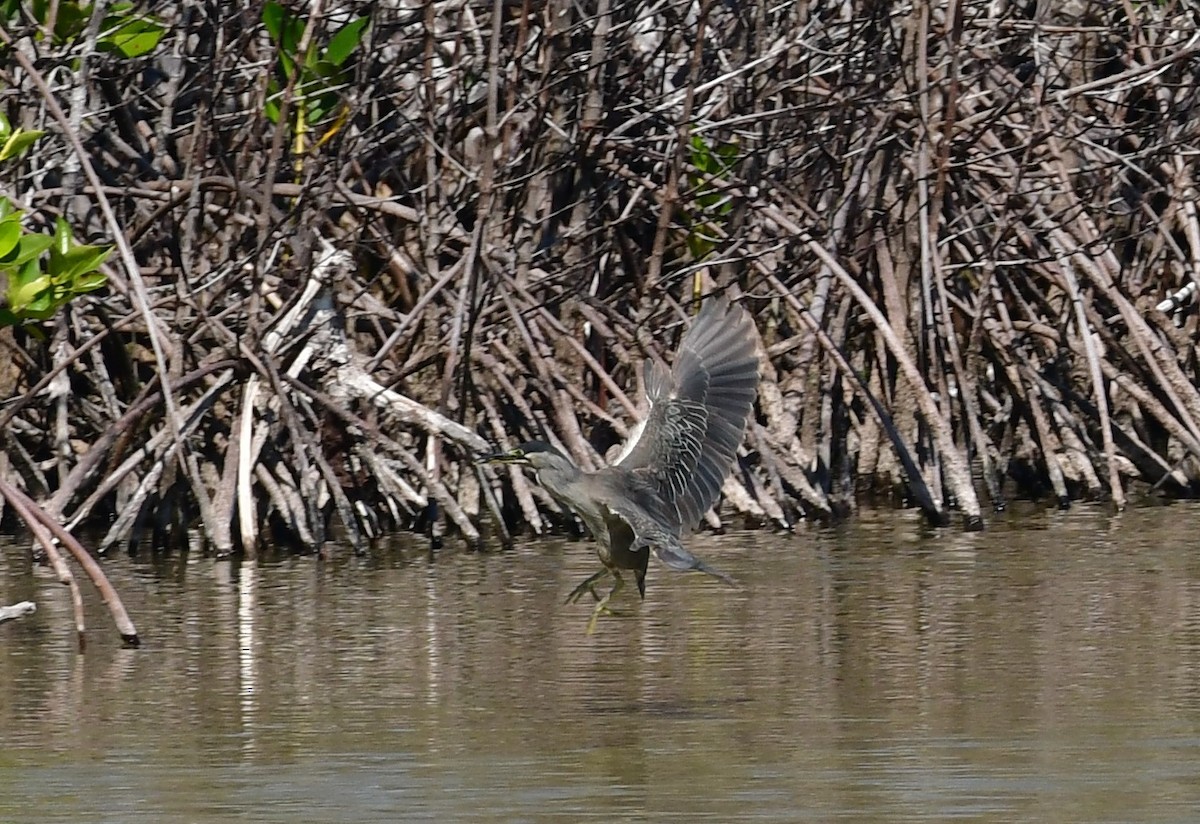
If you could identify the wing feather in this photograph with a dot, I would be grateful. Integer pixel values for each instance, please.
(698, 412)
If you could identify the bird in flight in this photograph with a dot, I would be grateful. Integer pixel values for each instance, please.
(671, 470)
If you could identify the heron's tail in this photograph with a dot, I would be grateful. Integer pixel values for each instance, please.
(676, 557)
(729, 580)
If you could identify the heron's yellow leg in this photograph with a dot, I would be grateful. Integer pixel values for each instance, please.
(602, 607)
(587, 586)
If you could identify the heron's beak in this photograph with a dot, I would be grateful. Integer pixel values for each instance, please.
(514, 456)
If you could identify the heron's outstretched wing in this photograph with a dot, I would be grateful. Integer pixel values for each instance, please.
(698, 412)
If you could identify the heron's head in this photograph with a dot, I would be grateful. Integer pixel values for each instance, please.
(537, 455)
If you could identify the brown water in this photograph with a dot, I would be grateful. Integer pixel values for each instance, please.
(1047, 670)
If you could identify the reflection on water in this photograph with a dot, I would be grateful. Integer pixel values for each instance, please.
(1045, 670)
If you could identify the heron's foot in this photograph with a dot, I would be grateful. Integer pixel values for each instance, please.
(588, 586)
(602, 607)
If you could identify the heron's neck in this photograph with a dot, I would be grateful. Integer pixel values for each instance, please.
(553, 479)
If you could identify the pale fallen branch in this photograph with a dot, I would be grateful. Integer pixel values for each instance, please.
(18, 610)
(346, 379)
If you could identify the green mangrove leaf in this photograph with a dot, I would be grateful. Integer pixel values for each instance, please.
(133, 36)
(28, 249)
(10, 235)
(345, 40)
(18, 142)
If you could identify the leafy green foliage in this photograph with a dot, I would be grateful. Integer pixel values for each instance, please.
(318, 74)
(39, 284)
(124, 31)
(129, 34)
(43, 272)
(709, 207)
(14, 142)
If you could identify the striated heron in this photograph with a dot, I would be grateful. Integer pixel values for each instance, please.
(671, 470)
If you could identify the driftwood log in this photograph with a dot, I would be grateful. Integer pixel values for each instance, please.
(17, 610)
